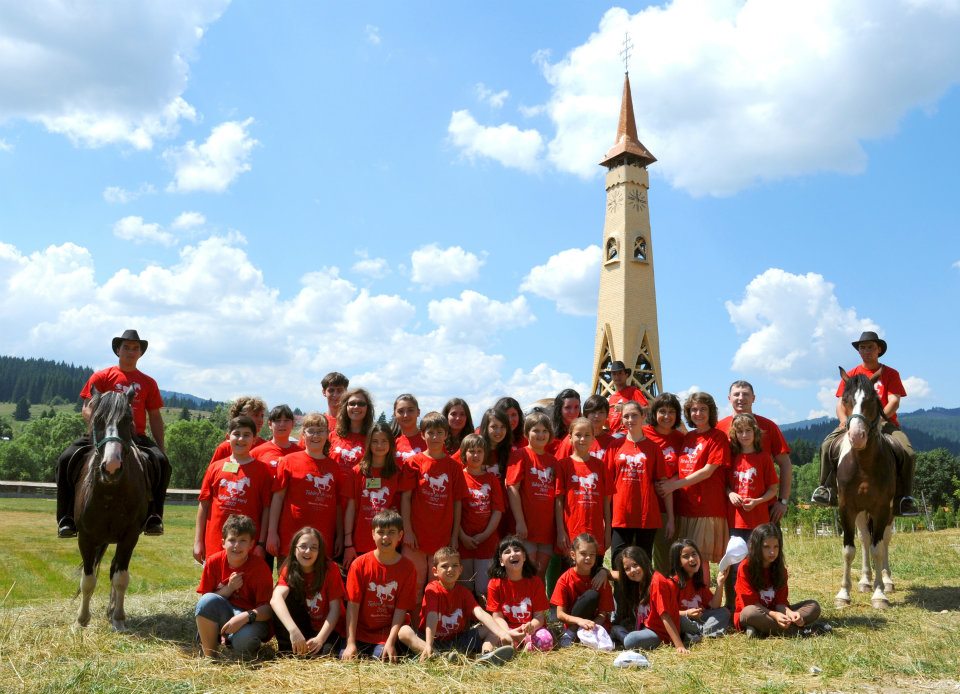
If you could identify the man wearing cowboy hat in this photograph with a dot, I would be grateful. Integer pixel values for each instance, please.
(624, 393)
(146, 407)
(890, 389)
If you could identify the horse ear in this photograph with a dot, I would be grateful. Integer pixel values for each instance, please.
(131, 393)
(843, 374)
(876, 376)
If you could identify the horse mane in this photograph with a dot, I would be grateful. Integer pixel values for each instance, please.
(110, 407)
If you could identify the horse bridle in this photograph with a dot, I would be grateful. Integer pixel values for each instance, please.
(870, 425)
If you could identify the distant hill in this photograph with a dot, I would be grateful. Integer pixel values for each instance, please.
(45, 382)
(937, 427)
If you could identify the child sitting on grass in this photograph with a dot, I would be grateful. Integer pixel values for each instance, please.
(235, 589)
(581, 605)
(445, 617)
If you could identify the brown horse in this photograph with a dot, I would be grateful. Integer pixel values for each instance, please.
(110, 502)
(866, 478)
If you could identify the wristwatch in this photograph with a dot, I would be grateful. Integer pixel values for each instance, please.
(251, 616)
(783, 501)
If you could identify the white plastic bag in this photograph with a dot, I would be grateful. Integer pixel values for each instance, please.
(631, 659)
(597, 638)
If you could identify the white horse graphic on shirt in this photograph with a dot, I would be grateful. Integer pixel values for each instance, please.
(588, 483)
(767, 595)
(321, 483)
(693, 603)
(520, 612)
(377, 497)
(448, 622)
(437, 484)
(480, 494)
(384, 592)
(236, 487)
(545, 475)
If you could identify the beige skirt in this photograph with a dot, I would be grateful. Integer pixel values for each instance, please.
(710, 535)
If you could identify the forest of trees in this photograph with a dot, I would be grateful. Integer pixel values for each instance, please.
(40, 380)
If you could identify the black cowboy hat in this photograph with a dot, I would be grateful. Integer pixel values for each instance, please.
(870, 336)
(618, 366)
(128, 335)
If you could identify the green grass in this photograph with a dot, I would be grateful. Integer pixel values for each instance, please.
(911, 647)
(170, 414)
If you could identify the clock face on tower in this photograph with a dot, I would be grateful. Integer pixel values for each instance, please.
(637, 199)
(614, 200)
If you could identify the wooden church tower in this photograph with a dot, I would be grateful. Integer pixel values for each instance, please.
(627, 305)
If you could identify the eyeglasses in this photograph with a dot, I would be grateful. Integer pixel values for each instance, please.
(315, 432)
(308, 548)
(356, 403)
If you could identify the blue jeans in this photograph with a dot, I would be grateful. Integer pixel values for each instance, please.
(712, 623)
(245, 642)
(644, 639)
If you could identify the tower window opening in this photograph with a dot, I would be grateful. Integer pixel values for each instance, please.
(640, 248)
(613, 250)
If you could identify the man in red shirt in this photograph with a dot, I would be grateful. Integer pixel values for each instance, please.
(619, 374)
(890, 389)
(146, 407)
(742, 397)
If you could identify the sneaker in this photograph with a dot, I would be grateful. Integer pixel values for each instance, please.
(750, 632)
(67, 528)
(498, 656)
(153, 526)
(566, 639)
(822, 497)
(908, 507)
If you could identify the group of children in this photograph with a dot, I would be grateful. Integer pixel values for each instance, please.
(486, 512)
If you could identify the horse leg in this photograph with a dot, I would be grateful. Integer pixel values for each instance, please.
(865, 584)
(843, 597)
(120, 579)
(878, 546)
(888, 586)
(90, 555)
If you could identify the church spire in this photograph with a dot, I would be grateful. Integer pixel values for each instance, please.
(627, 149)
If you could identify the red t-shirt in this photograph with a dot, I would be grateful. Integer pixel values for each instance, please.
(572, 585)
(223, 450)
(518, 601)
(706, 499)
(888, 384)
(436, 485)
(691, 598)
(670, 445)
(484, 496)
(632, 469)
(371, 495)
(257, 587)
(348, 450)
(751, 474)
(246, 491)
(270, 453)
(598, 449)
(378, 590)
(318, 604)
(663, 601)
(771, 438)
(768, 596)
(408, 446)
(146, 394)
(625, 394)
(453, 607)
(535, 475)
(314, 487)
(583, 487)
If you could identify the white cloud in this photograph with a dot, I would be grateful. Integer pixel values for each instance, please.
(796, 327)
(118, 195)
(475, 318)
(5, 146)
(101, 72)
(489, 97)
(571, 279)
(956, 265)
(540, 383)
(212, 166)
(917, 388)
(827, 397)
(134, 229)
(374, 268)
(372, 33)
(432, 266)
(189, 220)
(507, 144)
(755, 79)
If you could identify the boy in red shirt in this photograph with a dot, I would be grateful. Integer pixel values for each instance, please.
(235, 485)
(433, 488)
(235, 589)
(281, 421)
(381, 590)
(448, 608)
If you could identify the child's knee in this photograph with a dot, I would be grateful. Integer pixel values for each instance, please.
(248, 640)
(213, 607)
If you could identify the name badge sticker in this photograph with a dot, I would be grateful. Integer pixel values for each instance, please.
(232, 466)
(373, 483)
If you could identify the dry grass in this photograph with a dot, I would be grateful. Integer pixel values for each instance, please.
(913, 646)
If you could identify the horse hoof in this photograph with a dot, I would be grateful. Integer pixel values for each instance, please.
(865, 587)
(842, 602)
(119, 625)
(889, 588)
(880, 604)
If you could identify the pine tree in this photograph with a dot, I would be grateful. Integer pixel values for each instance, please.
(22, 412)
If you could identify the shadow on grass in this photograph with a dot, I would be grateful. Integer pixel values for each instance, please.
(874, 621)
(177, 628)
(934, 598)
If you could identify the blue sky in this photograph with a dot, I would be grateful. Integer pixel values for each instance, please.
(408, 193)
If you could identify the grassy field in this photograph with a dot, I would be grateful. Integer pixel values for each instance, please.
(912, 647)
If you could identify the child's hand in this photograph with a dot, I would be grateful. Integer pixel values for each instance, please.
(669, 529)
(297, 642)
(350, 652)
(528, 627)
(587, 624)
(349, 554)
(735, 499)
(427, 653)
(468, 542)
(198, 552)
(235, 624)
(273, 543)
(780, 618)
(750, 504)
(694, 612)
(722, 577)
(389, 654)
(314, 645)
(600, 580)
(410, 539)
(506, 638)
(235, 582)
(521, 529)
(682, 650)
(794, 617)
(563, 542)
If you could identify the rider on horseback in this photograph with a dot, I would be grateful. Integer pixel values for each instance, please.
(146, 406)
(890, 389)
